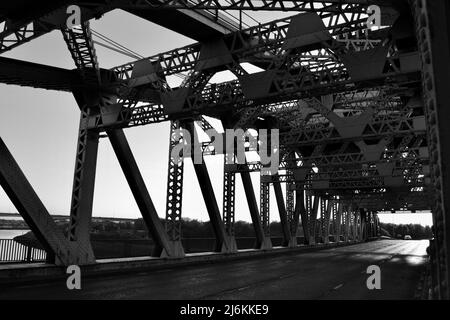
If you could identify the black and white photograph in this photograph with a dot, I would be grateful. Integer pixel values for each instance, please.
(224, 157)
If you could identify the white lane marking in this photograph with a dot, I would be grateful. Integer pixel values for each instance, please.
(243, 288)
(338, 286)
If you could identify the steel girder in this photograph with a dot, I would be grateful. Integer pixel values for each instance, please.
(23, 22)
(352, 6)
(432, 30)
(90, 102)
(35, 75)
(174, 199)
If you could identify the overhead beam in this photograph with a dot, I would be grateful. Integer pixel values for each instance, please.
(39, 76)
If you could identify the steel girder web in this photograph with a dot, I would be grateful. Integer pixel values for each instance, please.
(174, 198)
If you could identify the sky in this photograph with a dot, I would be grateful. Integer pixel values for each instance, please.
(40, 128)
(423, 218)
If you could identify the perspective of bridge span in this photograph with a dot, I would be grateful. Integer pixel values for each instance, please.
(355, 136)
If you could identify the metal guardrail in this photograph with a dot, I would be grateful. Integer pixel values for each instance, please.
(13, 251)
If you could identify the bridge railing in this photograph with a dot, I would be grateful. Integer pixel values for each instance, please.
(13, 251)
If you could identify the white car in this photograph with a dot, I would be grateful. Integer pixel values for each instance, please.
(408, 237)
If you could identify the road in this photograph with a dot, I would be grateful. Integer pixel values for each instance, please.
(338, 273)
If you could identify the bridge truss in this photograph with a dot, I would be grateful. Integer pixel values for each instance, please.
(357, 111)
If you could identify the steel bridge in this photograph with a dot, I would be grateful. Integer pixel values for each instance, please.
(359, 112)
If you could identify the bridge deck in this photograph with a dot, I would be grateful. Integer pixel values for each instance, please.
(338, 273)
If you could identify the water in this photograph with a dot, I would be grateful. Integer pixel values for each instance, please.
(10, 234)
(10, 218)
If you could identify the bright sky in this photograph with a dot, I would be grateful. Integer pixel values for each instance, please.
(423, 218)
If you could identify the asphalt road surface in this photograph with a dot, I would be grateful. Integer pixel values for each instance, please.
(339, 273)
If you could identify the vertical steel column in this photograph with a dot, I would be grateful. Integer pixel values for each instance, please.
(307, 221)
(296, 211)
(377, 226)
(174, 196)
(326, 221)
(347, 222)
(352, 228)
(433, 30)
(229, 197)
(229, 188)
(265, 214)
(338, 221)
(290, 205)
(84, 184)
(357, 224)
(322, 210)
(137, 185)
(229, 202)
(283, 215)
(302, 208)
(312, 219)
(363, 219)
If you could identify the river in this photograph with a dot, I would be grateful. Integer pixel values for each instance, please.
(10, 234)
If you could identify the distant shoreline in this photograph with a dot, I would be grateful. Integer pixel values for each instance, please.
(59, 216)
